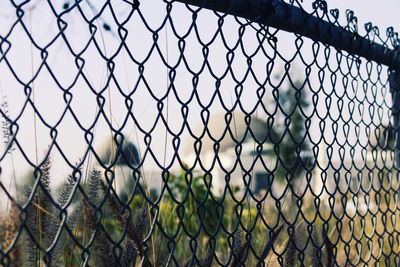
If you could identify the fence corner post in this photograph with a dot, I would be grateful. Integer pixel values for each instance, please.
(394, 83)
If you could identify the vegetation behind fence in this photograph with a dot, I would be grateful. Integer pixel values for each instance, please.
(197, 133)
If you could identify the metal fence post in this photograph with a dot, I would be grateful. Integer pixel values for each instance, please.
(394, 82)
(290, 18)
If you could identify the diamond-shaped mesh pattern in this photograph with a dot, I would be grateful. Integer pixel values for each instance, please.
(162, 133)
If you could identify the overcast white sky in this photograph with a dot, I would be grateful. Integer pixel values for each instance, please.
(382, 13)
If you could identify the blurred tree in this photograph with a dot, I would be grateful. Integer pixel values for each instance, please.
(289, 134)
(286, 132)
(122, 153)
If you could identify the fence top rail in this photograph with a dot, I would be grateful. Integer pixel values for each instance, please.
(281, 15)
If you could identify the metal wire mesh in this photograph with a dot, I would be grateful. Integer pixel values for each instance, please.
(161, 133)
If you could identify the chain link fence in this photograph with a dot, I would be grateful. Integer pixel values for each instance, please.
(197, 133)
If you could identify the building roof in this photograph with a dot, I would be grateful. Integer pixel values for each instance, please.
(227, 130)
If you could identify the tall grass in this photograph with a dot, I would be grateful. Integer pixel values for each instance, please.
(192, 226)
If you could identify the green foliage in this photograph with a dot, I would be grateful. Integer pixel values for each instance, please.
(191, 200)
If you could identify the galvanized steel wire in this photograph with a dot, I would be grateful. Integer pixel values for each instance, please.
(268, 148)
